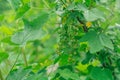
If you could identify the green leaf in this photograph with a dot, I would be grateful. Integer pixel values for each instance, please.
(19, 74)
(23, 36)
(105, 40)
(25, 1)
(77, 6)
(1, 17)
(81, 7)
(40, 20)
(88, 2)
(20, 7)
(93, 14)
(97, 41)
(117, 5)
(103, 1)
(15, 3)
(100, 74)
(37, 77)
(87, 58)
(64, 59)
(95, 44)
(22, 10)
(8, 40)
(3, 56)
(93, 40)
(32, 30)
(67, 74)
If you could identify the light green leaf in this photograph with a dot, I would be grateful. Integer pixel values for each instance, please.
(97, 41)
(81, 7)
(67, 74)
(3, 56)
(105, 40)
(78, 6)
(32, 30)
(19, 74)
(40, 20)
(20, 7)
(22, 10)
(37, 77)
(1, 17)
(100, 74)
(23, 36)
(93, 14)
(103, 1)
(8, 40)
(117, 5)
(95, 44)
(15, 3)
(25, 1)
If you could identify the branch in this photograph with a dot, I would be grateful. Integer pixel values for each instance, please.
(24, 56)
(84, 26)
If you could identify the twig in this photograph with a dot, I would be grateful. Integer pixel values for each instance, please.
(13, 64)
(1, 77)
(84, 26)
(24, 56)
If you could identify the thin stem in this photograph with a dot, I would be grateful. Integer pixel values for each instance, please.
(24, 56)
(84, 26)
(46, 3)
(13, 64)
(1, 77)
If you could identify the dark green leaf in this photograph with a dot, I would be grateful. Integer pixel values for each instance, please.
(64, 59)
(3, 56)
(87, 58)
(100, 74)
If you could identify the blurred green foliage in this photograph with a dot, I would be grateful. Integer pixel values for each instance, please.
(59, 40)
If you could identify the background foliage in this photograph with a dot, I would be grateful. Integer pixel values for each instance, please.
(59, 40)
